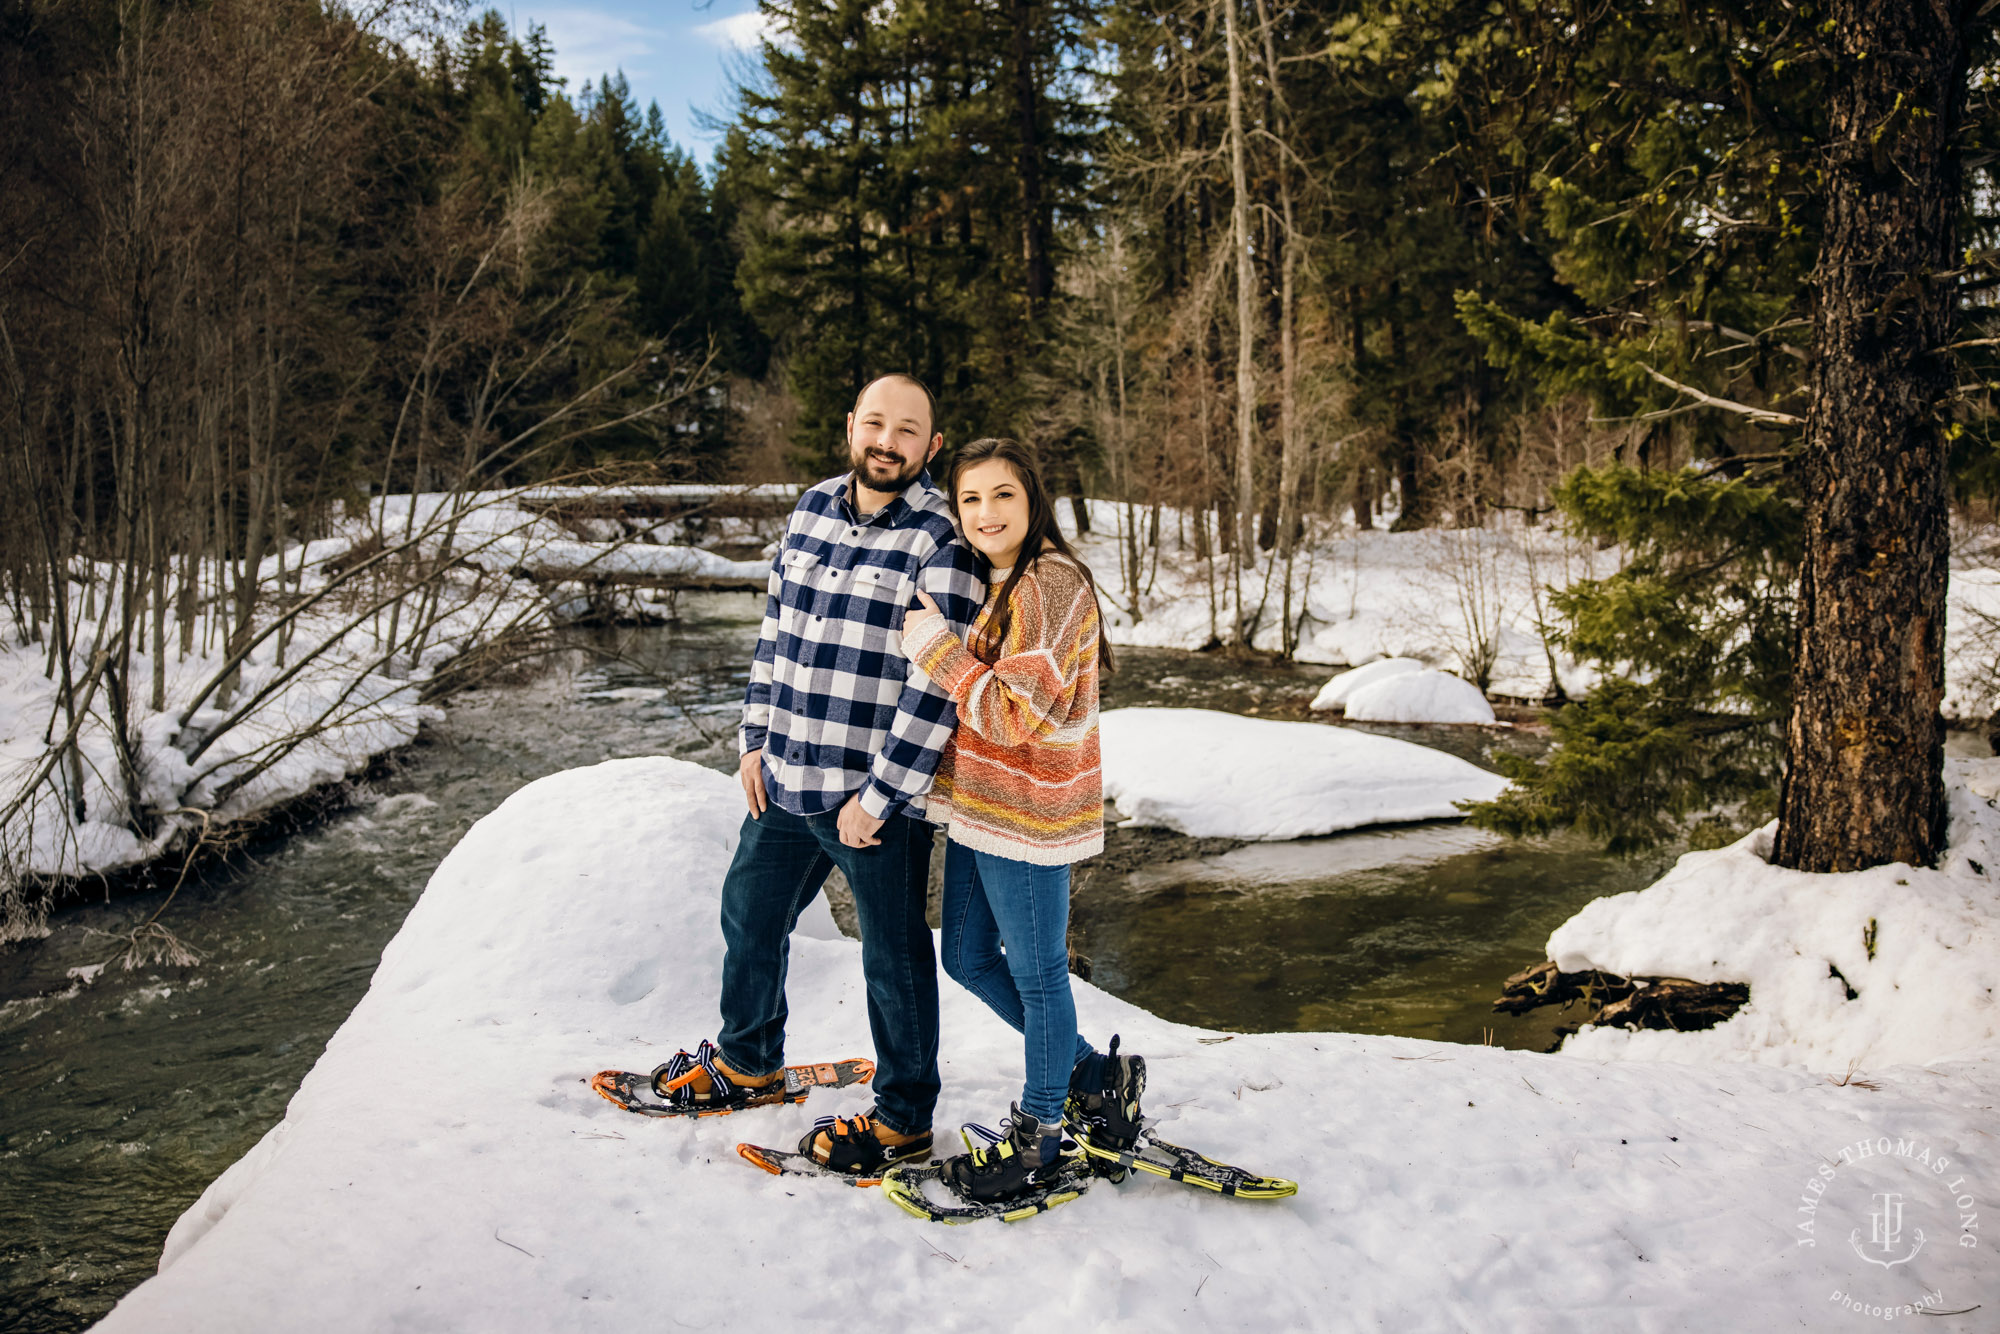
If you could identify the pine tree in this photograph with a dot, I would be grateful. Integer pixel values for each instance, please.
(815, 160)
(1681, 737)
(902, 176)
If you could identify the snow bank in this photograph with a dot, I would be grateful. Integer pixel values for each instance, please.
(1919, 950)
(1333, 695)
(294, 723)
(1419, 697)
(1221, 775)
(445, 1167)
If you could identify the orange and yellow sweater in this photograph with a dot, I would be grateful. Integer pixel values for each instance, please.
(1021, 777)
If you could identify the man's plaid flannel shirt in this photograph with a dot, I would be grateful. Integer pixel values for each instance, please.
(832, 702)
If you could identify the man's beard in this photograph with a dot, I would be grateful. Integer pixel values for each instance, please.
(886, 473)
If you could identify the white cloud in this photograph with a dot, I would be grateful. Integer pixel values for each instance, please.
(738, 32)
(590, 42)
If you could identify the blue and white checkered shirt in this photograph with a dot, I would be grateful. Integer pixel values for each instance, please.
(832, 701)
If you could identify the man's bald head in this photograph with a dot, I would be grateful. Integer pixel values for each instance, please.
(904, 377)
(891, 434)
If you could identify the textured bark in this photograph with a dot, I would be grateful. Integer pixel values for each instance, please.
(1865, 744)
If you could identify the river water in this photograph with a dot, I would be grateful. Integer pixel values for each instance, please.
(127, 1091)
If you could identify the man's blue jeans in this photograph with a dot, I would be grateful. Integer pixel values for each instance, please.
(988, 899)
(781, 861)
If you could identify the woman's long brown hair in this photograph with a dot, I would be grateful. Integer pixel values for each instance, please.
(1044, 534)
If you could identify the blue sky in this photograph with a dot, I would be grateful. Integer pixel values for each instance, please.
(674, 52)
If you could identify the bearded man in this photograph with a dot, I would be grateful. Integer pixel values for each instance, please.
(839, 744)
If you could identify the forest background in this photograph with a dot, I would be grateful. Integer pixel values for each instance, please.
(1251, 269)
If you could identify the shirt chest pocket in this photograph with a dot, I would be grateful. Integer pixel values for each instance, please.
(878, 583)
(800, 566)
(802, 574)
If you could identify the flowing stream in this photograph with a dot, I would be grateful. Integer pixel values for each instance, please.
(128, 1091)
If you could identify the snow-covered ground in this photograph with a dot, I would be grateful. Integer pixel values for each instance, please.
(346, 686)
(444, 1166)
(1333, 695)
(1222, 775)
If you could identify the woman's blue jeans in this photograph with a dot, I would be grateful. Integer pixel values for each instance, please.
(988, 900)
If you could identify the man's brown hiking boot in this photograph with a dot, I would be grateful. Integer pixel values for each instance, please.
(700, 1079)
(861, 1145)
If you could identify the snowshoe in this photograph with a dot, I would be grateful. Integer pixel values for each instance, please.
(1159, 1158)
(784, 1162)
(906, 1186)
(665, 1091)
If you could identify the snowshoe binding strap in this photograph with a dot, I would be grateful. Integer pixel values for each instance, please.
(1022, 1157)
(673, 1082)
(979, 1138)
(851, 1146)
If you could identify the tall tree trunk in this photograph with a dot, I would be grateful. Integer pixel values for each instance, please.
(1246, 372)
(1865, 745)
(1411, 501)
(1290, 444)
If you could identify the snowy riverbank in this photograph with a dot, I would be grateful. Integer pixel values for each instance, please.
(1894, 965)
(1447, 597)
(1432, 596)
(339, 684)
(444, 1165)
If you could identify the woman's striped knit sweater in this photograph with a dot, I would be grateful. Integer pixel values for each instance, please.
(1021, 777)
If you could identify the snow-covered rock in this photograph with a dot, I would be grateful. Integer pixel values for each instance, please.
(1221, 775)
(1920, 949)
(1419, 697)
(445, 1167)
(1333, 695)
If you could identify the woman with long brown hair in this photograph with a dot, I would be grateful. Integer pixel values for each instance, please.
(1021, 795)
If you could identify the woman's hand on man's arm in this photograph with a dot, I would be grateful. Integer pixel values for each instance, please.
(917, 620)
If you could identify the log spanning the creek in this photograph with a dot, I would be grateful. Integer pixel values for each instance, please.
(673, 569)
(1624, 1002)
